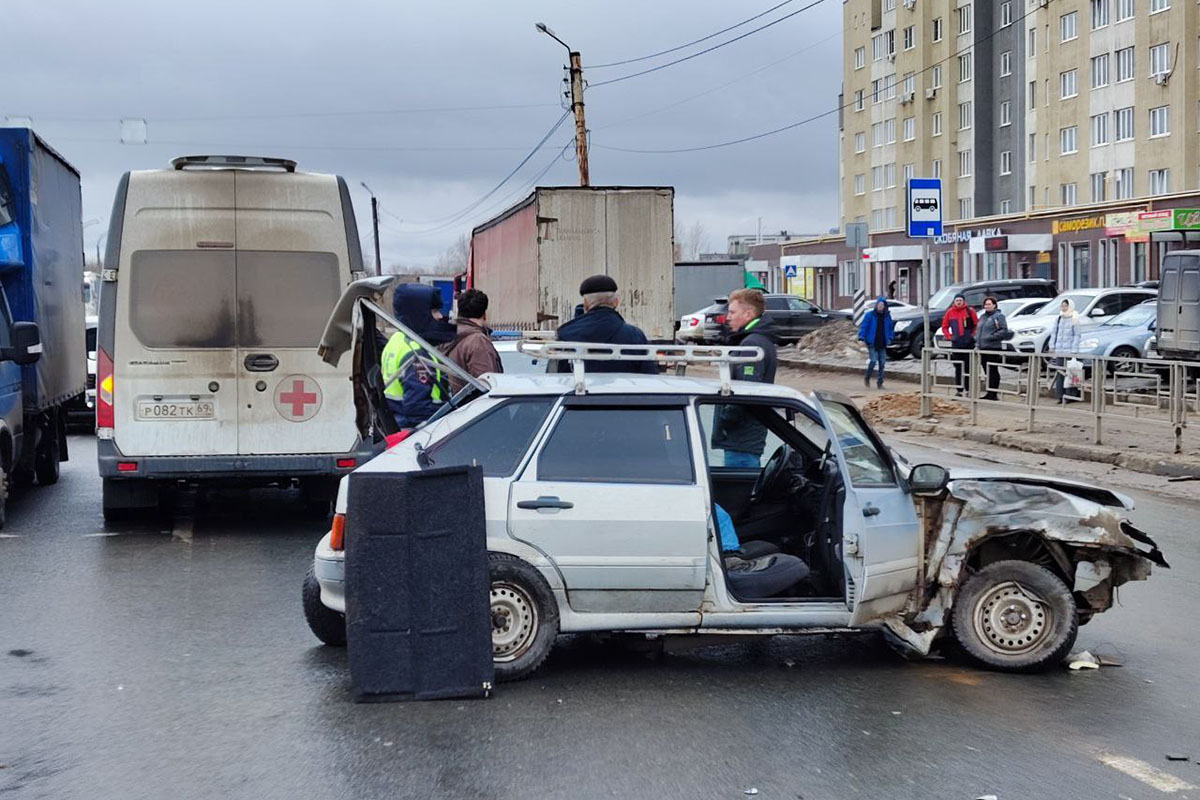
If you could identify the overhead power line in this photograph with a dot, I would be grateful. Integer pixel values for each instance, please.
(691, 43)
(813, 118)
(707, 49)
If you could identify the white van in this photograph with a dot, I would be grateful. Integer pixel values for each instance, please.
(221, 273)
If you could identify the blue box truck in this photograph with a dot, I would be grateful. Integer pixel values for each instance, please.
(42, 359)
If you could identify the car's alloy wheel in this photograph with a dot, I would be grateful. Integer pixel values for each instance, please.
(1123, 365)
(514, 621)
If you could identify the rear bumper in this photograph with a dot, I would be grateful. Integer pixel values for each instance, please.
(261, 467)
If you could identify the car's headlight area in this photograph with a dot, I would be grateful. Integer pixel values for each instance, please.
(1031, 332)
(904, 324)
(1088, 344)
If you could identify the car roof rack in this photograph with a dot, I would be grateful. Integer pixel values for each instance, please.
(579, 353)
(234, 162)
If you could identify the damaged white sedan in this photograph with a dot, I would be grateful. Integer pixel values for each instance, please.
(669, 505)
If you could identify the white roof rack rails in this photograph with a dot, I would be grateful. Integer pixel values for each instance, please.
(235, 162)
(578, 353)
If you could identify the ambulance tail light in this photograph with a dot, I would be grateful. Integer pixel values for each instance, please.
(104, 390)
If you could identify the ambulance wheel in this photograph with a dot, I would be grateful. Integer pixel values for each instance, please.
(326, 624)
(524, 617)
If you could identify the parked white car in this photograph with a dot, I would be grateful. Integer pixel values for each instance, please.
(1093, 306)
(604, 505)
(691, 326)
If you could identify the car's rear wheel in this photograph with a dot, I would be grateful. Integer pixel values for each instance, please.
(1126, 365)
(524, 617)
(916, 344)
(1015, 616)
(326, 624)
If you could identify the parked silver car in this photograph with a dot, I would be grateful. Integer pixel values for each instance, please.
(609, 507)
(1125, 336)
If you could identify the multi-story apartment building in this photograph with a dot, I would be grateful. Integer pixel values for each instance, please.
(1018, 105)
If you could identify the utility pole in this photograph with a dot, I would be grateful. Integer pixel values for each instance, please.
(576, 81)
(375, 227)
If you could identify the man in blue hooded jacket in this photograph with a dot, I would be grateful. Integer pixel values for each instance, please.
(876, 332)
(417, 390)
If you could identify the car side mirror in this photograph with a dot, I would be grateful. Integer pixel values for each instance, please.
(928, 479)
(1098, 312)
(26, 345)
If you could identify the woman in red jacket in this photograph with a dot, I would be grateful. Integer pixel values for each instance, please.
(959, 326)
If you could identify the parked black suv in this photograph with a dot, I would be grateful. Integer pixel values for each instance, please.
(791, 317)
(910, 335)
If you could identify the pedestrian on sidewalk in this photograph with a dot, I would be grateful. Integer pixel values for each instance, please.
(1064, 338)
(959, 327)
(993, 333)
(876, 332)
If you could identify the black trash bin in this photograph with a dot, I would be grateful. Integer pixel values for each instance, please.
(417, 605)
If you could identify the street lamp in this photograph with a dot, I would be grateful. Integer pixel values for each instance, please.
(541, 26)
(374, 226)
(576, 80)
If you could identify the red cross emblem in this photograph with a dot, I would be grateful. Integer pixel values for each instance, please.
(297, 398)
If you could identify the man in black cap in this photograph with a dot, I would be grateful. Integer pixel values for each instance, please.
(601, 324)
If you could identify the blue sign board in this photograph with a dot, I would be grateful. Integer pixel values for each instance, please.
(789, 270)
(924, 207)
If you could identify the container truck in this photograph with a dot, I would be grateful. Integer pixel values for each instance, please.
(699, 283)
(531, 258)
(42, 359)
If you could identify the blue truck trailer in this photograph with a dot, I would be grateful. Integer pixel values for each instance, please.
(42, 358)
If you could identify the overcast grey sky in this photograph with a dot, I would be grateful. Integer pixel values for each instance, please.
(313, 81)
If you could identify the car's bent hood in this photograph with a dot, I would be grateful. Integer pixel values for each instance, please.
(1096, 494)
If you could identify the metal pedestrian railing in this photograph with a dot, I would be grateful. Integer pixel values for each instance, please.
(1102, 388)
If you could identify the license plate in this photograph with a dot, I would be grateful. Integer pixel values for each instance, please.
(195, 409)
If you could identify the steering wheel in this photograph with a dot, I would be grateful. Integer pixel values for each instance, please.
(771, 474)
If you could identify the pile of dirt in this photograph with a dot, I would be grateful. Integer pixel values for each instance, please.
(907, 404)
(836, 340)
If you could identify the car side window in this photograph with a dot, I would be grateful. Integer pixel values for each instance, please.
(777, 303)
(974, 297)
(866, 465)
(1131, 299)
(796, 304)
(497, 441)
(618, 445)
(1112, 304)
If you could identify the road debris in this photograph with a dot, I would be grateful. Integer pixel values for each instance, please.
(1082, 660)
(751, 791)
(986, 797)
(907, 404)
(837, 339)
(1178, 757)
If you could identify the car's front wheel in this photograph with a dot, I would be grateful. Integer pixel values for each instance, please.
(524, 617)
(326, 624)
(1015, 616)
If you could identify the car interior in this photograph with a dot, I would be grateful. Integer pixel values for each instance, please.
(786, 515)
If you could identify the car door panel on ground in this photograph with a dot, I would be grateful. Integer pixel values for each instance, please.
(175, 383)
(612, 498)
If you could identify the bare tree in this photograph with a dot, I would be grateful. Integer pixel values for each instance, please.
(453, 260)
(690, 241)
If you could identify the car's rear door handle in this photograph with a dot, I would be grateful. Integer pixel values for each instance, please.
(544, 502)
(261, 362)
(870, 510)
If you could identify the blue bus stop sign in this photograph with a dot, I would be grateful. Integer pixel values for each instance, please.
(924, 207)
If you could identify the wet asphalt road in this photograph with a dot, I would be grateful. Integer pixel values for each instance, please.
(171, 659)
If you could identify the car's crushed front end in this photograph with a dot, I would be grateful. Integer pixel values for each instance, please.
(1076, 531)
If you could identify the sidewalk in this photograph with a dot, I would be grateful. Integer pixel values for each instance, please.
(1142, 445)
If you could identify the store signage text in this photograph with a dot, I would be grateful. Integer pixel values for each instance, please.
(1074, 225)
(965, 236)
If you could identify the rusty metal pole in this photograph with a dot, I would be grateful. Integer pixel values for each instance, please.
(581, 144)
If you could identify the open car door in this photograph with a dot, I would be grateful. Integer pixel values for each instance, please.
(881, 533)
(353, 327)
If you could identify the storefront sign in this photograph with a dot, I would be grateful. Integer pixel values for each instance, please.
(1043, 258)
(1074, 225)
(995, 244)
(957, 237)
(1124, 223)
(1187, 219)
(1150, 221)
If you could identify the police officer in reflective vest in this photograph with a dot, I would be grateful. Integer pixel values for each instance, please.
(416, 394)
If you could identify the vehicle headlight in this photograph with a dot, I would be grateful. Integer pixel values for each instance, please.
(1031, 332)
(904, 324)
(1088, 344)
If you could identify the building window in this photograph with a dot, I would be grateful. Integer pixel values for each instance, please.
(910, 83)
(860, 184)
(1081, 265)
(1124, 10)
(848, 277)
(889, 176)
(1032, 42)
(937, 29)
(964, 19)
(1139, 261)
(1032, 197)
(889, 43)
(1098, 182)
(1124, 124)
(889, 131)
(1160, 121)
(1006, 63)
(877, 47)
(910, 172)
(1067, 26)
(937, 168)
(1006, 206)
(860, 142)
(1006, 162)
(1066, 84)
(964, 67)
(1099, 14)
(965, 163)
(1124, 183)
(876, 179)
(936, 80)
(935, 123)
(876, 91)
(1067, 192)
(877, 134)
(965, 115)
(1032, 95)
(1100, 129)
(889, 5)
(910, 128)
(1067, 140)
(1005, 114)
(965, 208)
(1005, 14)
(889, 87)
(860, 58)
(1159, 5)
(1125, 68)
(1160, 181)
(889, 217)
(1100, 71)
(1160, 59)
(910, 37)
(858, 100)
(1032, 147)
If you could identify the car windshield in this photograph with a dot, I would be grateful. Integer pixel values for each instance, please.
(1020, 307)
(1134, 317)
(1080, 299)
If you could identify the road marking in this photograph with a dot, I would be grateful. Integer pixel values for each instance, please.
(184, 526)
(1151, 776)
(106, 533)
(10, 536)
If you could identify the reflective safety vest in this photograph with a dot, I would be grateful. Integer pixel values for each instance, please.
(418, 392)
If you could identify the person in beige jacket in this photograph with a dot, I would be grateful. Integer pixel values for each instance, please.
(472, 347)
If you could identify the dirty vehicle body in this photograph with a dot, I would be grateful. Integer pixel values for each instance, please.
(1179, 306)
(602, 497)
